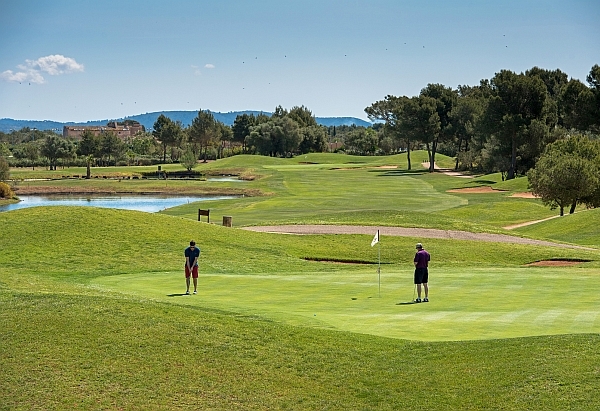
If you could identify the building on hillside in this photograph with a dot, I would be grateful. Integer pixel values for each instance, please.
(122, 130)
(333, 147)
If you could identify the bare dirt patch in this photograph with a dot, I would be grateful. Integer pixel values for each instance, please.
(513, 226)
(475, 190)
(556, 263)
(386, 167)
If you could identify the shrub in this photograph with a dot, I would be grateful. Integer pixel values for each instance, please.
(6, 191)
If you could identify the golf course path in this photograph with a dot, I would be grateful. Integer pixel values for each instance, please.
(407, 232)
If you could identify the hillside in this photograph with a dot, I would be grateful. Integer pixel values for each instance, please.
(148, 119)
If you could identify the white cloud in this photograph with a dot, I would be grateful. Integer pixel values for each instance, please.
(9, 75)
(32, 70)
(209, 66)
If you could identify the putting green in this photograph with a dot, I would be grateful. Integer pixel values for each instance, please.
(482, 303)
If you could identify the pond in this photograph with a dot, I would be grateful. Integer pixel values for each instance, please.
(147, 203)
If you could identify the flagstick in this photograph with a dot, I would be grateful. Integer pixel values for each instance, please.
(376, 241)
(379, 267)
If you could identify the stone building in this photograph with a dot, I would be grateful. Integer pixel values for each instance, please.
(122, 130)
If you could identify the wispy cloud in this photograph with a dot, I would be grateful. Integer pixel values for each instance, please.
(209, 66)
(33, 71)
(197, 71)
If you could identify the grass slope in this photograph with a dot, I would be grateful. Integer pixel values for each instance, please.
(580, 228)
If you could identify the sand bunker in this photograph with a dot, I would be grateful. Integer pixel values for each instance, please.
(556, 263)
(524, 195)
(475, 190)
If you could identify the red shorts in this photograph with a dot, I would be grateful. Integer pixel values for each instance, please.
(194, 272)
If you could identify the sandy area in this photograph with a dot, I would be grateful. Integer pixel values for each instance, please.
(417, 233)
(555, 263)
(524, 195)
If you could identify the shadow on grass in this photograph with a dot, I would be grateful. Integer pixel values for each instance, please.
(177, 295)
(406, 303)
(399, 173)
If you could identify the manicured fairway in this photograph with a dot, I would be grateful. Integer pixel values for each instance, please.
(465, 304)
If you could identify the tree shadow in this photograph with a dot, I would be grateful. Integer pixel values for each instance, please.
(480, 181)
(399, 173)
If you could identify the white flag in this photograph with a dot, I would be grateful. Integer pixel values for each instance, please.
(375, 239)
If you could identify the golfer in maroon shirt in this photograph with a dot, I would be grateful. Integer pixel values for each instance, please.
(422, 258)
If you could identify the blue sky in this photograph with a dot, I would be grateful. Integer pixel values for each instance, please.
(79, 60)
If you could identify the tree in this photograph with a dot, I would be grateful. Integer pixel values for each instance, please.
(555, 80)
(362, 141)
(445, 99)
(389, 110)
(517, 101)
(144, 144)
(188, 158)
(110, 146)
(278, 137)
(419, 121)
(4, 169)
(313, 139)
(224, 135)
(464, 119)
(55, 148)
(4, 151)
(168, 132)
(241, 128)
(593, 79)
(203, 132)
(260, 138)
(89, 148)
(29, 150)
(568, 173)
(303, 116)
(576, 106)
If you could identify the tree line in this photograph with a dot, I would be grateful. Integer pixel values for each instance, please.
(501, 125)
(539, 123)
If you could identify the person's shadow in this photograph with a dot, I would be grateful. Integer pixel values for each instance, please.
(406, 303)
(177, 295)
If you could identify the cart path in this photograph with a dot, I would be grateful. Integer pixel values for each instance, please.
(407, 232)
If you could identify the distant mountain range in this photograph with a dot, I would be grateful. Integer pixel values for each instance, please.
(148, 119)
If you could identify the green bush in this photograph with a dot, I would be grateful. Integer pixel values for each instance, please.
(6, 191)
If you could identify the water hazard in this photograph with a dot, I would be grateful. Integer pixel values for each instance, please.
(147, 203)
